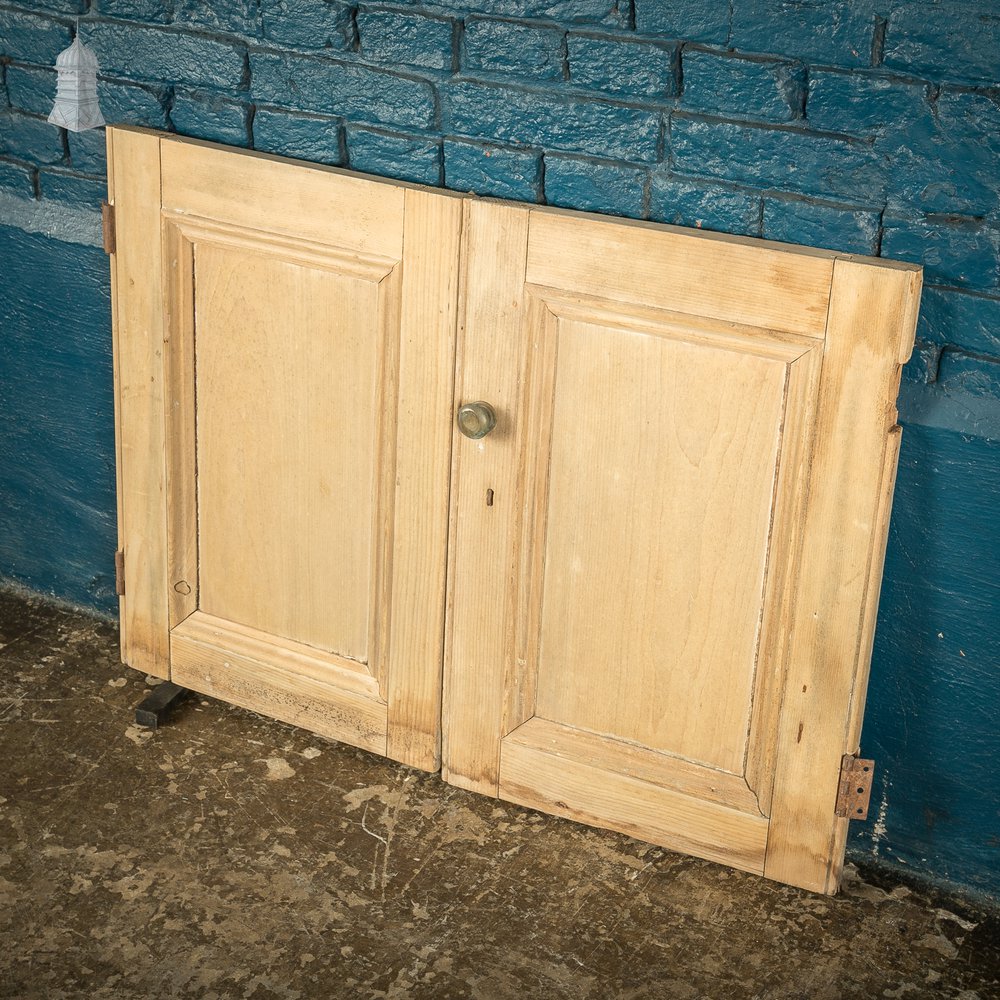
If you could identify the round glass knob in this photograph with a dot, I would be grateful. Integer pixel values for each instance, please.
(476, 420)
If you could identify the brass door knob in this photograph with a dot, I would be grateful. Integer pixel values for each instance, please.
(476, 420)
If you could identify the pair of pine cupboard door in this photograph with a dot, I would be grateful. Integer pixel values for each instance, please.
(645, 600)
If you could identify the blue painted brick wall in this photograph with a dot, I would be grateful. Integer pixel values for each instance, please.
(391, 37)
(509, 48)
(57, 478)
(859, 125)
(304, 137)
(496, 171)
(306, 24)
(761, 89)
(624, 66)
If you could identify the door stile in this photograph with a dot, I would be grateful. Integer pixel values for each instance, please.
(138, 347)
(109, 139)
(860, 688)
(840, 536)
(482, 538)
(433, 223)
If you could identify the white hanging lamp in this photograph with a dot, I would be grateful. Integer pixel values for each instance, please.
(76, 106)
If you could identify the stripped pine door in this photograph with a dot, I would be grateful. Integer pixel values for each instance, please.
(663, 537)
(284, 360)
(665, 557)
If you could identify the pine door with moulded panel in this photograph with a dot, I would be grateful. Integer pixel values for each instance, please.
(665, 550)
(284, 360)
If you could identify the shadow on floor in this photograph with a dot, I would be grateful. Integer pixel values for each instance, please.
(228, 855)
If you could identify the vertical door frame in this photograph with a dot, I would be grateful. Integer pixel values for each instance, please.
(137, 324)
(870, 334)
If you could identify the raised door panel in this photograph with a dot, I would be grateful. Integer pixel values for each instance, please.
(305, 528)
(644, 431)
(621, 607)
(286, 450)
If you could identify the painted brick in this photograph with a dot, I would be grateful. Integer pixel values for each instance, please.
(971, 322)
(951, 482)
(540, 118)
(623, 66)
(32, 38)
(407, 158)
(910, 150)
(969, 374)
(817, 225)
(936, 651)
(74, 189)
(784, 159)
(205, 115)
(956, 39)
(88, 152)
(62, 6)
(953, 253)
(334, 88)
(922, 368)
(569, 11)
(962, 175)
(308, 24)
(863, 102)
(142, 53)
(495, 171)
(514, 49)
(302, 136)
(393, 37)
(768, 89)
(695, 22)
(57, 471)
(30, 138)
(945, 161)
(683, 202)
(594, 187)
(33, 89)
(971, 416)
(239, 17)
(17, 178)
(135, 10)
(124, 103)
(818, 31)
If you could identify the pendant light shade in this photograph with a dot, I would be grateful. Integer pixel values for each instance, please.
(76, 106)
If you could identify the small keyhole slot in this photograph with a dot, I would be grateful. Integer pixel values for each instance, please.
(489, 498)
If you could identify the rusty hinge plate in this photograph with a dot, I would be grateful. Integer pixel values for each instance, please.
(120, 573)
(108, 226)
(855, 786)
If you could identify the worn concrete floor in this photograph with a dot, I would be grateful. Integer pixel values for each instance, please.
(230, 856)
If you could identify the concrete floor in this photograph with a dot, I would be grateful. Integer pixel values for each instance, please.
(231, 856)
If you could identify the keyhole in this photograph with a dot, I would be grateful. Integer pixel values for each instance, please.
(489, 498)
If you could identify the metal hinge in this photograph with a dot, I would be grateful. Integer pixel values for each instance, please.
(120, 573)
(108, 226)
(855, 786)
